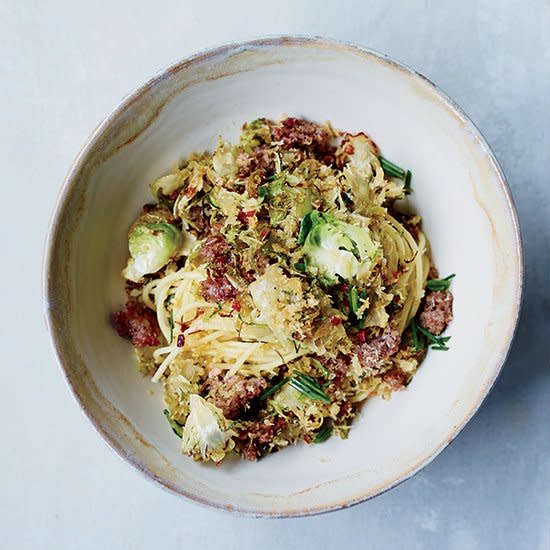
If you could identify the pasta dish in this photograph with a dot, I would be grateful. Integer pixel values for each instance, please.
(276, 284)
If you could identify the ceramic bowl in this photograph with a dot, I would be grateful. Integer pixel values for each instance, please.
(459, 190)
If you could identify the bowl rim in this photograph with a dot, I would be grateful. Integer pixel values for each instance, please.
(219, 52)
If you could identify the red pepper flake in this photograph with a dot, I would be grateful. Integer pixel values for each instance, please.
(245, 215)
(395, 275)
(236, 305)
(174, 195)
(361, 337)
(349, 149)
(335, 321)
(344, 287)
(181, 340)
(264, 233)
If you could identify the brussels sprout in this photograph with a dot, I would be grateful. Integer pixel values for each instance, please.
(205, 434)
(334, 248)
(151, 246)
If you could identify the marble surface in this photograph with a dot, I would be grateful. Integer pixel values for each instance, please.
(64, 66)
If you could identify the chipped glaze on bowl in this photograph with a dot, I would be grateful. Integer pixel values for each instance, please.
(459, 190)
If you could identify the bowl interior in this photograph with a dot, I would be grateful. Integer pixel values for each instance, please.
(458, 190)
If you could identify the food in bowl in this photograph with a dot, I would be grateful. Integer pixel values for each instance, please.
(277, 284)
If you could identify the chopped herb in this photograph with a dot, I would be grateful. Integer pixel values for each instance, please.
(275, 388)
(323, 434)
(300, 266)
(263, 192)
(353, 300)
(392, 169)
(418, 344)
(171, 326)
(320, 366)
(305, 228)
(308, 387)
(440, 284)
(354, 297)
(395, 171)
(176, 428)
(407, 186)
(420, 334)
(307, 377)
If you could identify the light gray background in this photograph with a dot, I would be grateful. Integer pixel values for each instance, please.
(63, 66)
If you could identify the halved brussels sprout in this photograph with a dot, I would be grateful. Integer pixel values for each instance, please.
(206, 435)
(334, 248)
(151, 246)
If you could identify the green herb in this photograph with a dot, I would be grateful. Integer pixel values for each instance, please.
(407, 186)
(392, 169)
(263, 192)
(320, 366)
(440, 284)
(171, 325)
(305, 227)
(300, 266)
(353, 299)
(275, 388)
(434, 342)
(308, 387)
(418, 344)
(176, 428)
(307, 377)
(323, 434)
(395, 171)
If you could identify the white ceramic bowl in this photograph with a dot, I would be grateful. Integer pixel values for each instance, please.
(458, 189)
